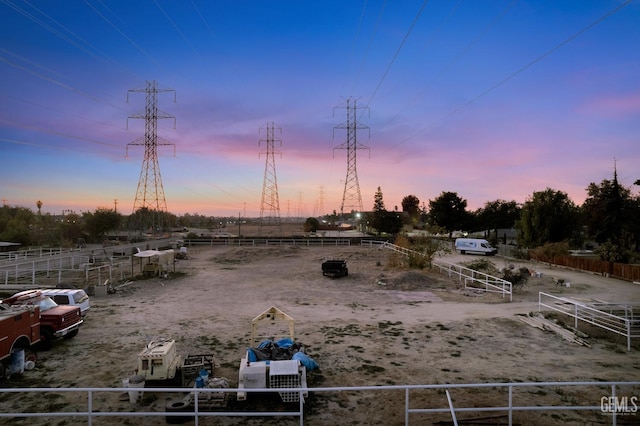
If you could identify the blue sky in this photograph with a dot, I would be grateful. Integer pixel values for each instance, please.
(489, 99)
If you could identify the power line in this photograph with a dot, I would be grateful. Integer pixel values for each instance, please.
(442, 71)
(176, 27)
(366, 53)
(133, 43)
(406, 36)
(206, 24)
(520, 70)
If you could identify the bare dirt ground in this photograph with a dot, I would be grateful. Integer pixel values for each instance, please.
(384, 324)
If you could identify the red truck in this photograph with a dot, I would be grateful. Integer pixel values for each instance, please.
(19, 329)
(56, 321)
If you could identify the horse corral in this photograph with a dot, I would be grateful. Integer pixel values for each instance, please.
(383, 324)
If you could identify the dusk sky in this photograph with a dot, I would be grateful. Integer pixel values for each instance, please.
(489, 99)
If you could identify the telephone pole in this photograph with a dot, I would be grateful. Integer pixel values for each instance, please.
(351, 198)
(270, 203)
(150, 202)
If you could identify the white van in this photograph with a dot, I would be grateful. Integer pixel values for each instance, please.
(475, 245)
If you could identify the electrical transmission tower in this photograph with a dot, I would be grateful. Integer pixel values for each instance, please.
(351, 198)
(150, 204)
(318, 209)
(270, 204)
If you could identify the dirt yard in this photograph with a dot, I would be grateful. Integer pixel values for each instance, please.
(384, 324)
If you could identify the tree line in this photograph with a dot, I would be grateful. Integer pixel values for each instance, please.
(610, 217)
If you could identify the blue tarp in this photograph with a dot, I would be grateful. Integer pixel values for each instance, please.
(305, 360)
(283, 349)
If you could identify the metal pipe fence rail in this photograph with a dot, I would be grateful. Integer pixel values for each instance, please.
(26, 267)
(257, 242)
(75, 269)
(478, 280)
(603, 402)
(31, 253)
(617, 318)
(93, 266)
(27, 271)
(490, 283)
(12, 257)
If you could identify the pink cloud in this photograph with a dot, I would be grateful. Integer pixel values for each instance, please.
(622, 105)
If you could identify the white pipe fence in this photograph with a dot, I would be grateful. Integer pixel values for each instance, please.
(619, 318)
(28, 267)
(258, 242)
(471, 278)
(603, 402)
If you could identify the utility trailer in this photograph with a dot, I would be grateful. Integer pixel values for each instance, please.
(274, 364)
(160, 363)
(335, 268)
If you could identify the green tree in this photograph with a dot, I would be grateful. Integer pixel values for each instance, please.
(378, 202)
(449, 212)
(391, 222)
(378, 211)
(548, 216)
(382, 220)
(498, 214)
(311, 224)
(423, 250)
(71, 228)
(611, 215)
(101, 221)
(15, 224)
(411, 205)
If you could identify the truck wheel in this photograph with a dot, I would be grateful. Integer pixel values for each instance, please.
(177, 406)
(71, 335)
(462, 252)
(46, 340)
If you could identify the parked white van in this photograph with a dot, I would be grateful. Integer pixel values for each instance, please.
(475, 245)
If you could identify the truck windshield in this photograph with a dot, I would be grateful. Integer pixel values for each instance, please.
(46, 303)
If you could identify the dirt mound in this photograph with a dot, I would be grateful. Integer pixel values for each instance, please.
(410, 280)
(244, 255)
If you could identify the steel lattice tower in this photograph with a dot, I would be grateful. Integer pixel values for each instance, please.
(270, 203)
(150, 200)
(351, 198)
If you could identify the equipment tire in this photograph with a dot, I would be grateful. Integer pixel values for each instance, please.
(46, 340)
(177, 406)
(72, 334)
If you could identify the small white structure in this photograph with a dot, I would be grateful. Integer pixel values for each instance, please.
(158, 261)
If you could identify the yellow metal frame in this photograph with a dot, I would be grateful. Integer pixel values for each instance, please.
(273, 314)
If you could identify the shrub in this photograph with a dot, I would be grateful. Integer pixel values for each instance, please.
(551, 250)
(517, 279)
